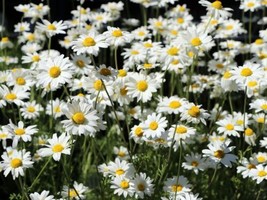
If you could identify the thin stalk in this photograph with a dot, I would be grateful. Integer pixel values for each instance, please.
(42, 170)
(24, 193)
(179, 164)
(230, 103)
(144, 15)
(116, 57)
(3, 16)
(52, 111)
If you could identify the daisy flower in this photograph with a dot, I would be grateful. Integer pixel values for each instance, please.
(20, 132)
(4, 135)
(250, 5)
(22, 27)
(77, 191)
(54, 72)
(194, 113)
(16, 95)
(250, 136)
(246, 166)
(194, 162)
(57, 106)
(260, 105)
(16, 163)
(263, 142)
(154, 126)
(216, 9)
(141, 86)
(228, 127)
(176, 186)
(106, 73)
(246, 73)
(120, 168)
(43, 196)
(261, 157)
(116, 37)
(56, 147)
(5, 43)
(259, 173)
(81, 64)
(179, 132)
(90, 43)
(137, 134)
(122, 186)
(196, 38)
(220, 153)
(143, 186)
(31, 110)
(141, 33)
(171, 105)
(21, 78)
(82, 119)
(121, 94)
(51, 29)
(121, 152)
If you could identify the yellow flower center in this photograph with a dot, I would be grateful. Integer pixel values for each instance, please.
(259, 41)
(121, 154)
(105, 72)
(252, 83)
(117, 33)
(173, 51)
(217, 5)
(98, 85)
(229, 27)
(190, 54)
(31, 37)
(20, 81)
(57, 148)
(264, 106)
(51, 27)
(124, 184)
(142, 85)
(249, 132)
(31, 109)
(11, 96)
(250, 4)
(261, 120)
(175, 104)
(194, 111)
(72, 193)
(153, 125)
(123, 91)
(239, 122)
(19, 131)
(35, 58)
(139, 132)
(175, 62)
(80, 63)
(141, 187)
(148, 45)
(158, 24)
(246, 72)
(219, 154)
(251, 166)
(4, 39)
(122, 73)
(54, 72)
(177, 188)
(261, 159)
(194, 163)
(83, 11)
(57, 109)
(99, 18)
(196, 41)
(88, 42)
(262, 173)
(78, 118)
(141, 33)
(147, 65)
(219, 65)
(3, 135)
(174, 32)
(229, 127)
(80, 95)
(134, 52)
(16, 162)
(120, 171)
(181, 129)
(180, 20)
(227, 75)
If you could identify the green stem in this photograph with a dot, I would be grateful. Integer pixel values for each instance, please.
(42, 170)
(24, 193)
(116, 57)
(3, 16)
(230, 103)
(179, 164)
(144, 15)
